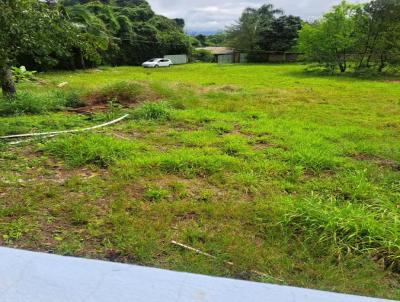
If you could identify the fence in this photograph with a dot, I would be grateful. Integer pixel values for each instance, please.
(259, 57)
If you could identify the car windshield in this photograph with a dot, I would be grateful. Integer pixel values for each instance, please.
(152, 60)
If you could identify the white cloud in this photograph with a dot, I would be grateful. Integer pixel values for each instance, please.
(210, 15)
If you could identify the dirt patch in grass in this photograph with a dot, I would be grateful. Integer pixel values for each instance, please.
(40, 169)
(223, 89)
(174, 188)
(126, 94)
(382, 162)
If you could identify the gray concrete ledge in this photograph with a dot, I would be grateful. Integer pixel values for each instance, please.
(37, 277)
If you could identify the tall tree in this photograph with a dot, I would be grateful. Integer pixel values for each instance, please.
(378, 32)
(281, 34)
(93, 36)
(202, 40)
(244, 34)
(265, 28)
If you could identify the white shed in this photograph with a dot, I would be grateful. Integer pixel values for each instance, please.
(177, 59)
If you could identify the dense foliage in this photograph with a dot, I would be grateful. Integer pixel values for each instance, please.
(122, 32)
(71, 34)
(30, 29)
(366, 36)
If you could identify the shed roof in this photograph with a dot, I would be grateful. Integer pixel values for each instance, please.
(218, 50)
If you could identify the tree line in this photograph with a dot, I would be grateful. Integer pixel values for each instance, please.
(360, 36)
(70, 34)
(351, 36)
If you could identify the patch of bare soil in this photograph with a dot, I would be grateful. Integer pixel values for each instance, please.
(126, 94)
(49, 170)
(225, 88)
(382, 162)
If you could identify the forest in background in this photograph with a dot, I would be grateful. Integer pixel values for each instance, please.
(120, 32)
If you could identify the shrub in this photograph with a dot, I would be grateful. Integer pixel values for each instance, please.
(21, 74)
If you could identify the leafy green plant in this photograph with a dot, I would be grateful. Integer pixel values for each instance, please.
(20, 74)
(156, 194)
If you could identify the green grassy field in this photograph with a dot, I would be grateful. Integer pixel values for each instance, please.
(291, 174)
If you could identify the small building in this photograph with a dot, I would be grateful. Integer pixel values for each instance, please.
(222, 55)
(226, 55)
(177, 59)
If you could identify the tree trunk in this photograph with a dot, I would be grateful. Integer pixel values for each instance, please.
(7, 82)
(83, 65)
(382, 63)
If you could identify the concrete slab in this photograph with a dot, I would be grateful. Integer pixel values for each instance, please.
(37, 277)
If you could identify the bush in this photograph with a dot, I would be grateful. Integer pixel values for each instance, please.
(21, 74)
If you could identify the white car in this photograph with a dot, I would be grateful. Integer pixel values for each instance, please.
(155, 63)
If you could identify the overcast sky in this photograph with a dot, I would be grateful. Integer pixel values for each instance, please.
(213, 15)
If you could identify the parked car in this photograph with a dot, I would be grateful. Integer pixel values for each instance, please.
(155, 63)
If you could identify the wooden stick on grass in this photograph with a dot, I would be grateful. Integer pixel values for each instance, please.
(197, 251)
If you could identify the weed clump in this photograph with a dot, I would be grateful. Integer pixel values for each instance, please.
(184, 162)
(79, 150)
(27, 103)
(153, 111)
(350, 228)
(156, 194)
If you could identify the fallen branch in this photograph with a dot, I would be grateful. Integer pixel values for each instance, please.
(214, 257)
(53, 133)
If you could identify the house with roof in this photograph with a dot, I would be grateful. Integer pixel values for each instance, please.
(222, 55)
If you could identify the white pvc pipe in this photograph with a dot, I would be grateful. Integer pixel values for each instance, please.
(64, 131)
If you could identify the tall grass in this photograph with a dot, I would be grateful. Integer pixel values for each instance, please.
(27, 103)
(79, 150)
(153, 111)
(349, 227)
